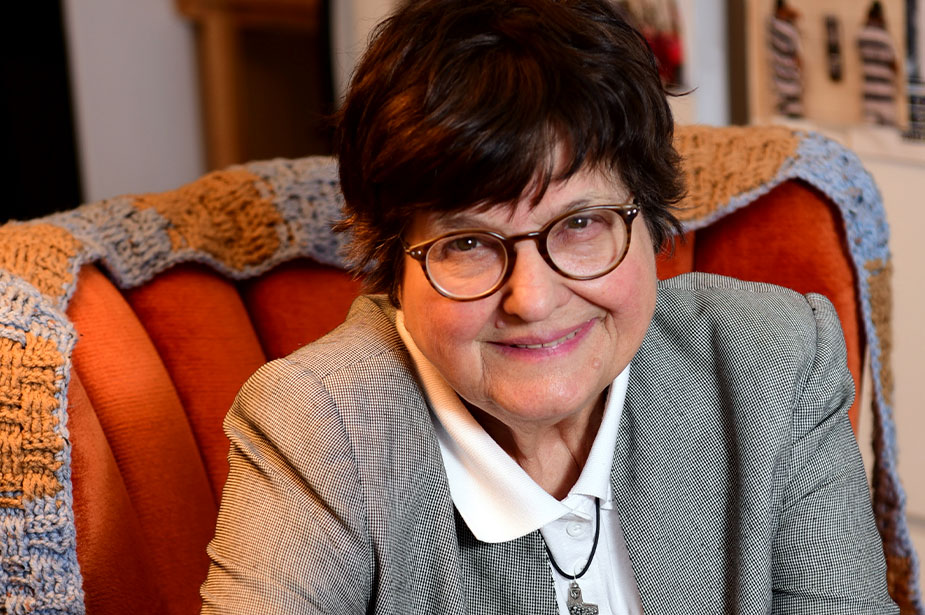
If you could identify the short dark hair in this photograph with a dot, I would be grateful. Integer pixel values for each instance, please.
(465, 103)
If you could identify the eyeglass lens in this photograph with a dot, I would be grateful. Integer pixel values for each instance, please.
(583, 245)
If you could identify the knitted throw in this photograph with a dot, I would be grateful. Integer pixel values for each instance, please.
(247, 219)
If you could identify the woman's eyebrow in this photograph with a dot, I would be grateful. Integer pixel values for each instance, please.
(458, 220)
(466, 219)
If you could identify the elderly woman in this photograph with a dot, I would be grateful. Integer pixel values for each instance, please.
(524, 420)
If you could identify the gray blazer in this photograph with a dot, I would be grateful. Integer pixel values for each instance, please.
(738, 479)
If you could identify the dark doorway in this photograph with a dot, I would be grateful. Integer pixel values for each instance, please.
(37, 142)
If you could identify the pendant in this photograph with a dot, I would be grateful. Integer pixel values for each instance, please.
(576, 606)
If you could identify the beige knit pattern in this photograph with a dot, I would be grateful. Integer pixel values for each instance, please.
(29, 378)
(221, 214)
(30, 373)
(899, 568)
(881, 306)
(720, 163)
(39, 254)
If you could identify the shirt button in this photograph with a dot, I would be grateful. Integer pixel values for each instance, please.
(575, 529)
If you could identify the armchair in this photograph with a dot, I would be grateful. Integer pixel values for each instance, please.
(128, 325)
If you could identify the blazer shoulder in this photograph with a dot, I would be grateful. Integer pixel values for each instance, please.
(726, 301)
(743, 327)
(358, 381)
(706, 283)
(367, 333)
(344, 372)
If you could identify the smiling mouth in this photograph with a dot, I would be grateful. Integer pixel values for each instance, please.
(551, 344)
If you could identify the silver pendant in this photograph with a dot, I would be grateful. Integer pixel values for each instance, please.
(576, 606)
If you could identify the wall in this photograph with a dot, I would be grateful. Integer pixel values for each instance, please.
(836, 103)
(133, 67)
(704, 31)
(351, 23)
(703, 26)
(135, 96)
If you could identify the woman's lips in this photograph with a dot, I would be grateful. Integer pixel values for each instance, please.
(551, 344)
(560, 341)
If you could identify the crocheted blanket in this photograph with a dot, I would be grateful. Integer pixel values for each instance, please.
(245, 220)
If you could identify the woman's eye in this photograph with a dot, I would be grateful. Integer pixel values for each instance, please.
(578, 222)
(464, 244)
(582, 222)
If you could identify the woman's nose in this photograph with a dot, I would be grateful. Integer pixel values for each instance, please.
(533, 291)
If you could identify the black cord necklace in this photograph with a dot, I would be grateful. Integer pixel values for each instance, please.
(574, 602)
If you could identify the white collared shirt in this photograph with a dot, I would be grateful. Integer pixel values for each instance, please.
(500, 502)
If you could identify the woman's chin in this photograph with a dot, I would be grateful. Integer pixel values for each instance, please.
(540, 408)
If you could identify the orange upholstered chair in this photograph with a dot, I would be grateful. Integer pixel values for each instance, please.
(129, 325)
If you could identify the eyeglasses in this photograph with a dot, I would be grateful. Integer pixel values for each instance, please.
(582, 244)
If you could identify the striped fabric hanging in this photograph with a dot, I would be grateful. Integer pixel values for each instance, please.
(786, 71)
(878, 68)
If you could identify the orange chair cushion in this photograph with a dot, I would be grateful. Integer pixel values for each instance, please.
(116, 575)
(203, 334)
(297, 303)
(151, 441)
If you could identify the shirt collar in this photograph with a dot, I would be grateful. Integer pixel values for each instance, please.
(497, 499)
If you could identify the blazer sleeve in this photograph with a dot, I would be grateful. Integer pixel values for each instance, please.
(828, 557)
(291, 534)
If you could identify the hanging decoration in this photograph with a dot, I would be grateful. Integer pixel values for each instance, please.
(786, 60)
(659, 21)
(879, 69)
(833, 50)
(915, 64)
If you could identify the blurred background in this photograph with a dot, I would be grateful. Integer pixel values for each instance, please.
(107, 97)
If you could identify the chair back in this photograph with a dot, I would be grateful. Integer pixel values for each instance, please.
(127, 327)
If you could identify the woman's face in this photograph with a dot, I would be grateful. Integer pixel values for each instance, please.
(488, 349)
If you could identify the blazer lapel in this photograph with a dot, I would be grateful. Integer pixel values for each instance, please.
(650, 481)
